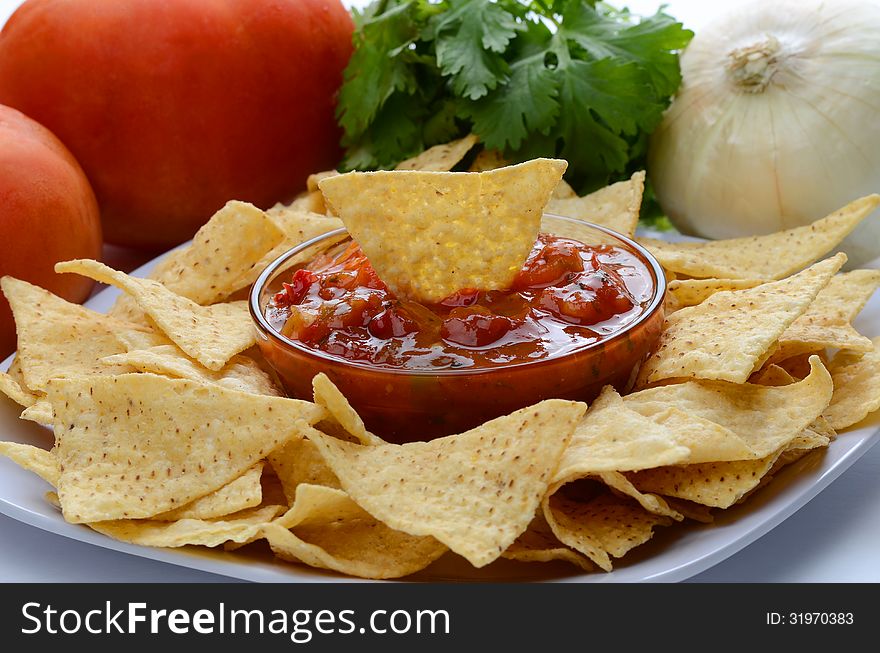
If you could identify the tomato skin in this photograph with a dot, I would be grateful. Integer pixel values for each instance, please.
(48, 213)
(474, 327)
(589, 298)
(549, 263)
(392, 323)
(173, 108)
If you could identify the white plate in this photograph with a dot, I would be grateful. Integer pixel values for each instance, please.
(676, 553)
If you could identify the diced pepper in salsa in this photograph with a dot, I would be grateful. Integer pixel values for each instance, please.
(567, 295)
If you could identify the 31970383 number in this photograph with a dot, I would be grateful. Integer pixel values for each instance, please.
(810, 618)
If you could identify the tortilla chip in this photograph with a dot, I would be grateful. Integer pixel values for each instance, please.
(10, 387)
(476, 492)
(429, 234)
(773, 375)
(605, 526)
(539, 544)
(57, 339)
(312, 202)
(614, 437)
(730, 334)
(827, 321)
(298, 227)
(41, 413)
(563, 191)
(693, 511)
(210, 334)
(242, 493)
(765, 418)
(488, 160)
(856, 387)
(651, 502)
(718, 485)
(136, 445)
(690, 292)
(326, 529)
(313, 179)
(39, 461)
(440, 158)
(241, 527)
(329, 396)
(231, 242)
(298, 462)
(616, 206)
(773, 256)
(127, 310)
(240, 373)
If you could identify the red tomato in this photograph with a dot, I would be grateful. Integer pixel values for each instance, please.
(173, 108)
(48, 214)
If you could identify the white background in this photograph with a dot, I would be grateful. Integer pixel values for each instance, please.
(836, 537)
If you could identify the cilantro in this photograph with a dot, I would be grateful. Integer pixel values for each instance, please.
(563, 78)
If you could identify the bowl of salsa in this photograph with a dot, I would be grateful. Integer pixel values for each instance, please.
(584, 311)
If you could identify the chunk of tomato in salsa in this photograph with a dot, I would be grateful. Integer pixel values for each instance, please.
(338, 304)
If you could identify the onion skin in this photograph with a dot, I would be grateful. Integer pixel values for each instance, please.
(775, 124)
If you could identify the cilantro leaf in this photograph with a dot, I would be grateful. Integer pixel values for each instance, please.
(560, 78)
(377, 68)
(652, 43)
(470, 40)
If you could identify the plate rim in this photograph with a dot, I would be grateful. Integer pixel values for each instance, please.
(211, 563)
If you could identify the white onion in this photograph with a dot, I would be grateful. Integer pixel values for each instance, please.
(777, 122)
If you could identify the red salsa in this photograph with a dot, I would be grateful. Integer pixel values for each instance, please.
(568, 295)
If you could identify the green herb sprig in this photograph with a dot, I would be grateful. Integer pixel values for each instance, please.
(562, 78)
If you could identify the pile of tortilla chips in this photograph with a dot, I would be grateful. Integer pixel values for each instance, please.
(170, 430)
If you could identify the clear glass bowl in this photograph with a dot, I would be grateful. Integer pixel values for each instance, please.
(403, 405)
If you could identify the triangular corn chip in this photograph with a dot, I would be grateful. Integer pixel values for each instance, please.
(773, 256)
(650, 502)
(718, 485)
(827, 321)
(313, 179)
(856, 387)
(539, 544)
(563, 191)
(604, 527)
(730, 334)
(241, 527)
(15, 372)
(476, 492)
(313, 202)
(488, 159)
(58, 339)
(210, 334)
(240, 373)
(429, 234)
(329, 396)
(136, 445)
(41, 462)
(297, 226)
(298, 462)
(40, 412)
(614, 437)
(326, 529)
(440, 158)
(10, 387)
(229, 244)
(240, 494)
(690, 292)
(616, 206)
(765, 418)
